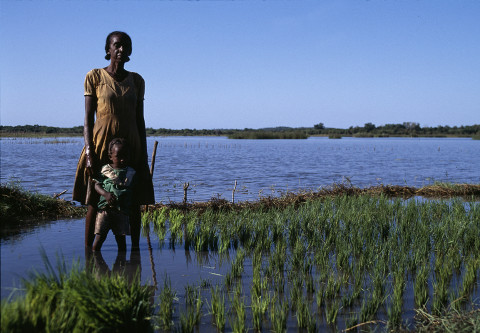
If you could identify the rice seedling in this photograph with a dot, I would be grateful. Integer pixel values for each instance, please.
(259, 305)
(369, 309)
(239, 316)
(278, 315)
(237, 264)
(395, 309)
(304, 318)
(175, 218)
(469, 276)
(166, 298)
(217, 308)
(193, 303)
(420, 287)
(332, 288)
(331, 311)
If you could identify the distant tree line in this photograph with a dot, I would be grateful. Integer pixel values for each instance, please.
(41, 130)
(410, 129)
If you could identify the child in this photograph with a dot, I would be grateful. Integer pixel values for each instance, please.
(115, 186)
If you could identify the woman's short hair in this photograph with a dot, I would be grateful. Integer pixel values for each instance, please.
(127, 39)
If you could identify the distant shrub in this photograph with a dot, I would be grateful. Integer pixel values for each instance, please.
(334, 136)
(261, 135)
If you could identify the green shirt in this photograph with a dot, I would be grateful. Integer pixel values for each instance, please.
(119, 182)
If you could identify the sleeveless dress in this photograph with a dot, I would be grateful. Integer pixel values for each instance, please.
(116, 117)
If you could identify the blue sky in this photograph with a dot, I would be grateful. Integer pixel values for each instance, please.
(237, 64)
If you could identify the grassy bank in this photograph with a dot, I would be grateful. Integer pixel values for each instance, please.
(17, 203)
(434, 191)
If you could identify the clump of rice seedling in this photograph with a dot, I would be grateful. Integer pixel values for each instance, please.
(304, 318)
(278, 316)
(331, 311)
(237, 264)
(217, 307)
(194, 303)
(239, 316)
(395, 310)
(420, 287)
(166, 297)
(175, 217)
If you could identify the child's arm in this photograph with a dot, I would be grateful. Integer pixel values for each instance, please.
(110, 197)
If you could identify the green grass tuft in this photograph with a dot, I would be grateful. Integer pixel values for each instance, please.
(78, 301)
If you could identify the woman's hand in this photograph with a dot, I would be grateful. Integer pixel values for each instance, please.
(89, 165)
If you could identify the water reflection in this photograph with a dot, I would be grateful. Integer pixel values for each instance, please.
(132, 268)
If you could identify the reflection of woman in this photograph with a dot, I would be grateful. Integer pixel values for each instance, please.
(131, 269)
(114, 97)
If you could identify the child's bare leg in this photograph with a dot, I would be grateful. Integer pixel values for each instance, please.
(97, 244)
(121, 243)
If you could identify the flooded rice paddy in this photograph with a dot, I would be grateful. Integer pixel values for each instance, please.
(326, 265)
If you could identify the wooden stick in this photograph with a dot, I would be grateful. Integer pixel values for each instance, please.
(185, 188)
(149, 243)
(233, 192)
(154, 154)
(55, 196)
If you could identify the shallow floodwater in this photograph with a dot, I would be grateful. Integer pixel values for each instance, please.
(63, 239)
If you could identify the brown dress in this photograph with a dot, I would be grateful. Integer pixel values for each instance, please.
(116, 117)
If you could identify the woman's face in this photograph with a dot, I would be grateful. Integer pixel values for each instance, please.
(119, 50)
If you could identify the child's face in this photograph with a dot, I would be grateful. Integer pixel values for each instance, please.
(119, 156)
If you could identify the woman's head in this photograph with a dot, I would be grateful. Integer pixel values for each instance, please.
(117, 39)
(118, 152)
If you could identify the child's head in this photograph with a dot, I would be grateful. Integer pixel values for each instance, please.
(118, 152)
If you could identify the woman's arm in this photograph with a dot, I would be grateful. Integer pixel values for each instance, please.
(90, 108)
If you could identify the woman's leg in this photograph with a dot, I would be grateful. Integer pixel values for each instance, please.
(121, 243)
(90, 225)
(97, 245)
(135, 218)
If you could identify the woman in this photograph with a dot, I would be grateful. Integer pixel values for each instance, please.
(114, 97)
